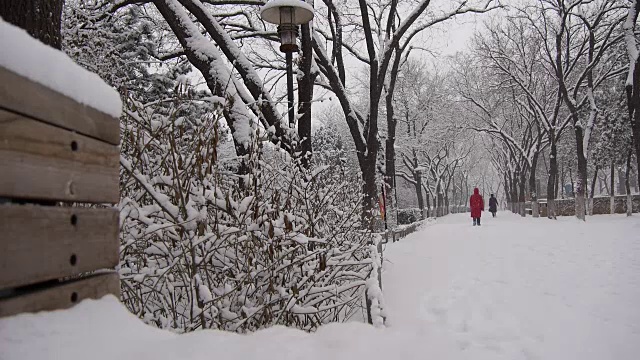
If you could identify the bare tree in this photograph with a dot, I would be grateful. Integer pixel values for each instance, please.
(577, 38)
(502, 110)
(210, 35)
(387, 29)
(522, 51)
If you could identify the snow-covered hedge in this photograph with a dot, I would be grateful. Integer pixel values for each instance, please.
(200, 251)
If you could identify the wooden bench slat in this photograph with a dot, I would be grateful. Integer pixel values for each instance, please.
(62, 295)
(30, 98)
(40, 161)
(40, 243)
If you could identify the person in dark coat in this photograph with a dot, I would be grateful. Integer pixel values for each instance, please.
(476, 203)
(493, 205)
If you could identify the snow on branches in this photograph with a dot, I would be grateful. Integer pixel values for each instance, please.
(199, 251)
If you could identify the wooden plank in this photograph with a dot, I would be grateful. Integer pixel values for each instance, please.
(40, 161)
(40, 243)
(24, 96)
(60, 296)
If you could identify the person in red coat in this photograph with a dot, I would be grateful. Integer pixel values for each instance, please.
(476, 203)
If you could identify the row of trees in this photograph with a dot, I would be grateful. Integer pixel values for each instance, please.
(228, 219)
(548, 77)
(234, 53)
(544, 87)
(234, 218)
(549, 64)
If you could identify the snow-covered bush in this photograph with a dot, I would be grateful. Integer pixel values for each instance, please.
(408, 216)
(198, 250)
(204, 247)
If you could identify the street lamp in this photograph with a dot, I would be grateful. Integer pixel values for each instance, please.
(288, 14)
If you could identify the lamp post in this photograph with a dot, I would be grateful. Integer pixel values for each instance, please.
(288, 14)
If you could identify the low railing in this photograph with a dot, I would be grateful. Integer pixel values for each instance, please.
(601, 205)
(402, 231)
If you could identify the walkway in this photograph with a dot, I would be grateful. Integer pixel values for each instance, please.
(519, 288)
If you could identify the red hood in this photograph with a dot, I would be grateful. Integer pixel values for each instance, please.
(476, 191)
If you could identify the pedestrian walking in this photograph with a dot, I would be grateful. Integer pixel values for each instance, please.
(476, 202)
(493, 205)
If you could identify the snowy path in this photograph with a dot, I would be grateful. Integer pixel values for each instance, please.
(512, 289)
(519, 288)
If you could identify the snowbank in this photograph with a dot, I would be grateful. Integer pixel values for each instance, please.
(104, 329)
(43, 64)
(512, 289)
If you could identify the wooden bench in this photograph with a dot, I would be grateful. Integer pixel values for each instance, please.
(57, 156)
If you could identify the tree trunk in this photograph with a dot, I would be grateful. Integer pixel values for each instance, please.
(533, 188)
(390, 167)
(600, 186)
(446, 204)
(557, 187)
(428, 196)
(42, 19)
(462, 195)
(392, 122)
(521, 198)
(366, 142)
(453, 198)
(440, 199)
(635, 184)
(621, 179)
(506, 190)
(369, 190)
(553, 174)
(633, 99)
(628, 185)
(562, 178)
(582, 181)
(447, 192)
(514, 193)
(305, 96)
(593, 190)
(612, 192)
(418, 178)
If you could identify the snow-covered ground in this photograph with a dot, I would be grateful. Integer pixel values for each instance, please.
(519, 288)
(512, 289)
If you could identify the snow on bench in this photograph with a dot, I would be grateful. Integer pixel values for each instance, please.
(31, 59)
